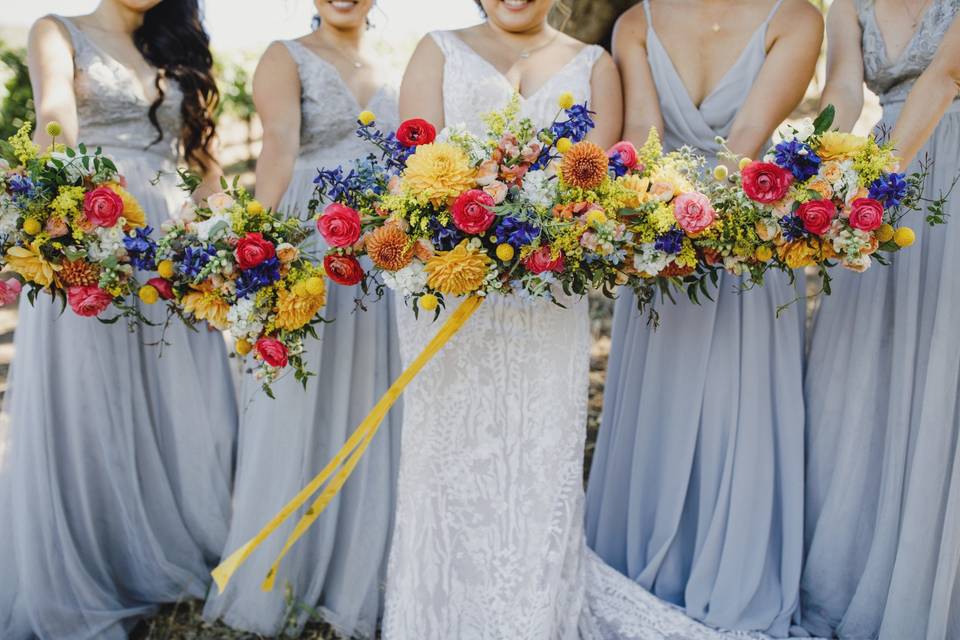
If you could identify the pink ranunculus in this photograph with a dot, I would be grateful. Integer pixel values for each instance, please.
(272, 351)
(765, 182)
(339, 225)
(88, 301)
(9, 291)
(817, 215)
(693, 212)
(866, 214)
(626, 151)
(163, 287)
(542, 260)
(103, 206)
(472, 213)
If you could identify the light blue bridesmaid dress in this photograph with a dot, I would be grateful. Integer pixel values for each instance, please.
(338, 567)
(883, 470)
(696, 490)
(115, 486)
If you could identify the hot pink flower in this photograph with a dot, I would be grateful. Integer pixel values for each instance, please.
(9, 291)
(103, 206)
(693, 212)
(88, 301)
(765, 182)
(472, 213)
(817, 215)
(339, 225)
(542, 260)
(626, 151)
(272, 351)
(866, 214)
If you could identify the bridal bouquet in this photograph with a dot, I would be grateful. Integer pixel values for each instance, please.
(69, 228)
(240, 267)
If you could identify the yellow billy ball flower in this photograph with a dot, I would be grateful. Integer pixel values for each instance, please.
(885, 233)
(243, 347)
(720, 173)
(564, 145)
(904, 237)
(315, 286)
(54, 129)
(254, 208)
(166, 269)
(149, 294)
(366, 118)
(32, 226)
(566, 100)
(763, 254)
(505, 252)
(744, 162)
(429, 302)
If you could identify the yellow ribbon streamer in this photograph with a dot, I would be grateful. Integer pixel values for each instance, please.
(345, 460)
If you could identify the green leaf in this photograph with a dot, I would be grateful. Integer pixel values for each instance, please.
(825, 120)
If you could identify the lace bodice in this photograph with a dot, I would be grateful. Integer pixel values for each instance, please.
(465, 102)
(329, 110)
(892, 79)
(112, 110)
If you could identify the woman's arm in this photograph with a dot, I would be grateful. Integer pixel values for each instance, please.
(607, 102)
(421, 93)
(50, 60)
(844, 88)
(783, 79)
(276, 94)
(641, 104)
(929, 98)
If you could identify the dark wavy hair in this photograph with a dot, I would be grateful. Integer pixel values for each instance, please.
(173, 40)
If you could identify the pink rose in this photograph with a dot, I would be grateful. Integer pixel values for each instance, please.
(88, 301)
(163, 287)
(102, 206)
(765, 182)
(866, 214)
(817, 215)
(626, 151)
(542, 260)
(252, 250)
(471, 211)
(9, 291)
(272, 352)
(693, 212)
(339, 225)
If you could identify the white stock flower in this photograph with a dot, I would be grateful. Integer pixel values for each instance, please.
(799, 131)
(537, 188)
(408, 281)
(207, 229)
(650, 260)
(242, 318)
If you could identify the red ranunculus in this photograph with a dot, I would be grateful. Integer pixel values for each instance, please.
(88, 301)
(472, 212)
(103, 206)
(252, 250)
(272, 352)
(414, 132)
(866, 214)
(817, 215)
(345, 270)
(542, 260)
(627, 153)
(163, 287)
(339, 225)
(765, 182)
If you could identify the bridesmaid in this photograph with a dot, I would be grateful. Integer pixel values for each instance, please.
(883, 516)
(696, 488)
(116, 489)
(309, 93)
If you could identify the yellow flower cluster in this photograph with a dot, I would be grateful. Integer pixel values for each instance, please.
(67, 203)
(23, 146)
(652, 150)
(662, 218)
(688, 255)
(872, 160)
(498, 122)
(209, 306)
(437, 173)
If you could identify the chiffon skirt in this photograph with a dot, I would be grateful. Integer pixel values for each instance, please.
(115, 485)
(883, 476)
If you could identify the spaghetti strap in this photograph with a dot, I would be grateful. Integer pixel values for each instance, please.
(773, 12)
(646, 11)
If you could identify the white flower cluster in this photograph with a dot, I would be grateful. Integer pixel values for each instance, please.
(800, 131)
(649, 259)
(539, 188)
(213, 228)
(106, 242)
(9, 212)
(472, 145)
(409, 281)
(243, 318)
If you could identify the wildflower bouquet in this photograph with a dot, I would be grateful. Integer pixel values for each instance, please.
(240, 267)
(68, 227)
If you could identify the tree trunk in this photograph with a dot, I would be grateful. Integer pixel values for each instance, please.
(589, 20)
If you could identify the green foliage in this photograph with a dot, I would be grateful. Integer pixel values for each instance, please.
(16, 99)
(236, 90)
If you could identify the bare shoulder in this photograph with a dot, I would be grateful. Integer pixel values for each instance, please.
(631, 26)
(48, 30)
(797, 16)
(278, 55)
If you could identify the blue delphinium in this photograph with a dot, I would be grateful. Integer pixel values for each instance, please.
(792, 228)
(671, 242)
(444, 238)
(141, 249)
(260, 276)
(797, 158)
(194, 260)
(395, 153)
(617, 168)
(515, 232)
(578, 124)
(21, 185)
(335, 184)
(890, 189)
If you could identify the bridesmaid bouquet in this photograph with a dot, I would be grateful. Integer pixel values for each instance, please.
(69, 228)
(241, 268)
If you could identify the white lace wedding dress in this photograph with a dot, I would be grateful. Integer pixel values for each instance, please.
(489, 541)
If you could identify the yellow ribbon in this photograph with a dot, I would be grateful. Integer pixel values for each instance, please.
(345, 460)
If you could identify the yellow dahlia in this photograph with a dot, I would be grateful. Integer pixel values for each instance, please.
(457, 272)
(803, 253)
(438, 173)
(30, 263)
(296, 309)
(584, 166)
(132, 211)
(79, 273)
(838, 145)
(639, 189)
(389, 247)
(207, 305)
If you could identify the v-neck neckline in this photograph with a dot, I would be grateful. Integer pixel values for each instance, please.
(343, 83)
(503, 76)
(921, 25)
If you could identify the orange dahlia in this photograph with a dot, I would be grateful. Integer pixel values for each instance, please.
(389, 247)
(79, 273)
(457, 272)
(674, 270)
(584, 166)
